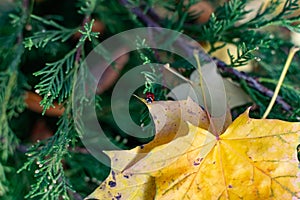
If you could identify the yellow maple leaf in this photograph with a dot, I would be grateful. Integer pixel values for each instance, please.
(252, 159)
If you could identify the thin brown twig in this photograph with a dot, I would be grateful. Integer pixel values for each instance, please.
(252, 82)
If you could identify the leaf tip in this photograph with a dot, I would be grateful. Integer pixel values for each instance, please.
(91, 197)
(141, 99)
(247, 111)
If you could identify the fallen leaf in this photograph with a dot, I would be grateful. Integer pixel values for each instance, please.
(212, 98)
(33, 100)
(252, 159)
(171, 120)
(202, 11)
(235, 95)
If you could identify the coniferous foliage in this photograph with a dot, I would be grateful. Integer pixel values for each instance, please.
(43, 45)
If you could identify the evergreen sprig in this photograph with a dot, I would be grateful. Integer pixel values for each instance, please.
(221, 23)
(10, 86)
(46, 158)
(268, 16)
(147, 56)
(225, 26)
(42, 38)
(55, 80)
(248, 48)
(57, 83)
(8, 138)
(57, 77)
(243, 55)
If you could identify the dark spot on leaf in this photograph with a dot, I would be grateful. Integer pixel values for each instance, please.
(191, 112)
(197, 162)
(112, 183)
(214, 162)
(113, 175)
(118, 197)
(126, 176)
(229, 186)
(142, 146)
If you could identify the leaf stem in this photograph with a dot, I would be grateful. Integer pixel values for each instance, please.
(201, 78)
(196, 55)
(292, 52)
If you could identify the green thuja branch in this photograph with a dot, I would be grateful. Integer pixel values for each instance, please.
(225, 26)
(57, 76)
(56, 80)
(268, 16)
(146, 55)
(221, 23)
(9, 140)
(153, 76)
(45, 158)
(9, 78)
(57, 83)
(11, 89)
(42, 38)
